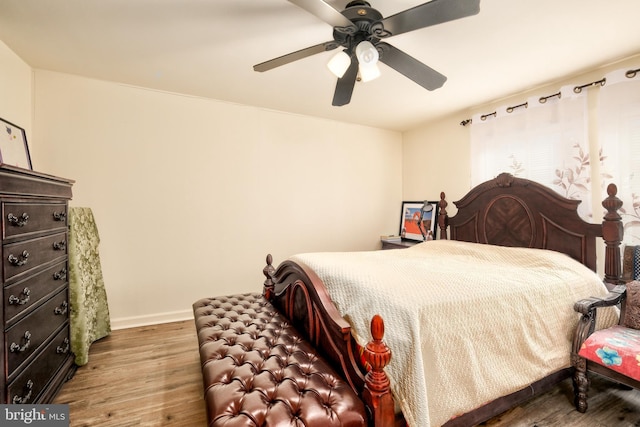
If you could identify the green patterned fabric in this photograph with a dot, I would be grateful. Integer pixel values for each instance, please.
(88, 299)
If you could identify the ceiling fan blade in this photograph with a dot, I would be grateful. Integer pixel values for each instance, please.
(327, 13)
(426, 15)
(294, 56)
(425, 76)
(344, 87)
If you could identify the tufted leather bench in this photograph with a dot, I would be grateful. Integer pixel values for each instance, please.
(258, 370)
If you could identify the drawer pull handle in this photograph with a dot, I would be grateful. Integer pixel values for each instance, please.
(24, 399)
(22, 260)
(17, 348)
(60, 216)
(62, 309)
(21, 300)
(65, 349)
(60, 275)
(60, 246)
(18, 221)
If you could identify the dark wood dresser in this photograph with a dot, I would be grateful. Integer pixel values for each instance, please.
(36, 352)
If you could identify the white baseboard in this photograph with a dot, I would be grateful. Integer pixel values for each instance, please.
(153, 319)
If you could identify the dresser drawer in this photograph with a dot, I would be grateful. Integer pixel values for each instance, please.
(24, 338)
(31, 382)
(25, 218)
(25, 294)
(24, 256)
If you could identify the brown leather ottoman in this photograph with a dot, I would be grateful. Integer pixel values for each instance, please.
(258, 371)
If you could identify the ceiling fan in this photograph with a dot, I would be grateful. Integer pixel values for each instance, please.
(359, 29)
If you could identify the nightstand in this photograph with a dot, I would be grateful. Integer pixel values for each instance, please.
(397, 244)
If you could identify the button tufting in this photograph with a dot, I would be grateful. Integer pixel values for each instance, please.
(256, 366)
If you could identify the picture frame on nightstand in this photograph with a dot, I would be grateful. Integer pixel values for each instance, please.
(14, 150)
(418, 219)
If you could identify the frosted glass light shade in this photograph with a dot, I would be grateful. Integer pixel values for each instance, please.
(369, 72)
(339, 64)
(366, 53)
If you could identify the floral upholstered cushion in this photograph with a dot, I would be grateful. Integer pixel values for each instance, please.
(617, 348)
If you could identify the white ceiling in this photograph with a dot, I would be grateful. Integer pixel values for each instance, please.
(207, 48)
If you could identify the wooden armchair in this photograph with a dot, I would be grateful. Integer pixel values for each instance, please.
(612, 352)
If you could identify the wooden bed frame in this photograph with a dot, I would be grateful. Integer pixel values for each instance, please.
(506, 211)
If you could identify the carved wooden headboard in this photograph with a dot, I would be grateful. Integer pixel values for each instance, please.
(511, 211)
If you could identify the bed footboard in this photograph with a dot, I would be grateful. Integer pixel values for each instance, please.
(297, 292)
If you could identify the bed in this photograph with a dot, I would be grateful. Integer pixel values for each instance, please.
(448, 369)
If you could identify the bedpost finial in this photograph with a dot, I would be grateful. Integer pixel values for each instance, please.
(377, 390)
(268, 272)
(442, 204)
(612, 203)
(442, 216)
(378, 355)
(377, 327)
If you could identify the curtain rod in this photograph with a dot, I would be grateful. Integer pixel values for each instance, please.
(577, 89)
(543, 99)
(600, 82)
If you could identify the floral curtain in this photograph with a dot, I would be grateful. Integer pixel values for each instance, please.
(619, 135)
(545, 140)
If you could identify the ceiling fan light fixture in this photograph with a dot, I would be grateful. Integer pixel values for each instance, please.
(369, 72)
(339, 63)
(360, 30)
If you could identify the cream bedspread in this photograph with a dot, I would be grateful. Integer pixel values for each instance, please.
(467, 323)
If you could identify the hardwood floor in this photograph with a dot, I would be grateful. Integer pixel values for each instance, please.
(150, 376)
(610, 405)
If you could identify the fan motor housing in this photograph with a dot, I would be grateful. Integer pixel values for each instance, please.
(362, 15)
(361, 11)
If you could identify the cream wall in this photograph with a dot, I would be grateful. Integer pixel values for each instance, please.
(437, 154)
(15, 90)
(191, 194)
(436, 159)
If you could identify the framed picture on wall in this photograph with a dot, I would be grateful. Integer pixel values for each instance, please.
(418, 219)
(14, 150)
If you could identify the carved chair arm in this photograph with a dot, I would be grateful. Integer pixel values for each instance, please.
(614, 297)
(588, 308)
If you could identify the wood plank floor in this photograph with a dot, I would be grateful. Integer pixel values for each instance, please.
(150, 376)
